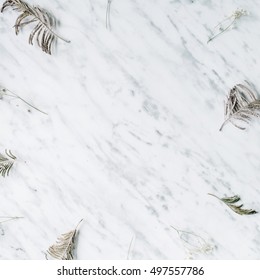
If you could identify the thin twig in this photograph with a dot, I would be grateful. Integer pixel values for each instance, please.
(4, 92)
(222, 31)
(108, 24)
(130, 247)
(8, 219)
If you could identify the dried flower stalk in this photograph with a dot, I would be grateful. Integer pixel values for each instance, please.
(193, 243)
(6, 92)
(227, 23)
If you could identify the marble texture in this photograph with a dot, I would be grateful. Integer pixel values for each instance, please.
(131, 142)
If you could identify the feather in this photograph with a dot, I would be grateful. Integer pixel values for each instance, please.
(6, 162)
(64, 246)
(229, 201)
(241, 107)
(43, 32)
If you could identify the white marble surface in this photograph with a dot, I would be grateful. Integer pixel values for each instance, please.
(131, 142)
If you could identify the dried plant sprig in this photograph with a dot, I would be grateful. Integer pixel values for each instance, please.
(64, 247)
(6, 162)
(9, 93)
(241, 105)
(4, 219)
(245, 115)
(43, 32)
(193, 243)
(227, 23)
(108, 24)
(230, 202)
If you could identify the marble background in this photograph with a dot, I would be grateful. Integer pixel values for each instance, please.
(131, 143)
